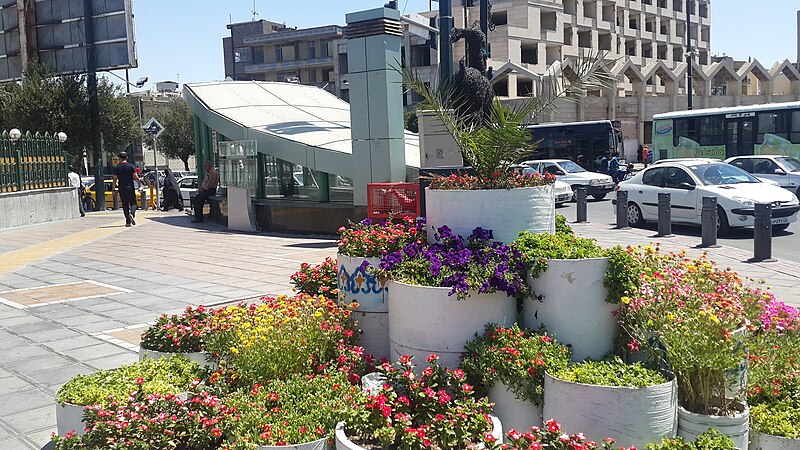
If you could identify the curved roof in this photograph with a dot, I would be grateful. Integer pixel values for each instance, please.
(301, 124)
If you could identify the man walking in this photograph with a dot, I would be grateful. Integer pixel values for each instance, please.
(75, 181)
(124, 174)
(207, 189)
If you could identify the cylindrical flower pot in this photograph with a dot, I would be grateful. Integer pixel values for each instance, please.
(736, 427)
(69, 417)
(425, 320)
(763, 441)
(201, 358)
(356, 284)
(344, 443)
(573, 306)
(504, 211)
(319, 444)
(736, 378)
(515, 414)
(633, 416)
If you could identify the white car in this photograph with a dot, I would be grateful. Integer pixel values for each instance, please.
(597, 185)
(783, 170)
(188, 186)
(562, 191)
(687, 183)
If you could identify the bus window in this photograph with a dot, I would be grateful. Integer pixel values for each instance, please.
(773, 122)
(712, 130)
(795, 136)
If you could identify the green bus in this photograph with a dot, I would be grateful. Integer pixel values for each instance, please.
(770, 129)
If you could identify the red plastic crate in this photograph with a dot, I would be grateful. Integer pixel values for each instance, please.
(385, 200)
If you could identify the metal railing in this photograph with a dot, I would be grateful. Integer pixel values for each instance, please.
(32, 162)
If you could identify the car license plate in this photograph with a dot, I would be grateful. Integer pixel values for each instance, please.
(780, 220)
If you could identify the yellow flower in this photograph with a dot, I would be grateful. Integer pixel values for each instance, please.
(671, 316)
(625, 300)
(234, 350)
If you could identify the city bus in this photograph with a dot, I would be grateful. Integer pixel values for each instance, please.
(582, 142)
(770, 129)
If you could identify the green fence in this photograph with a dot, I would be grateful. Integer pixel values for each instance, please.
(32, 162)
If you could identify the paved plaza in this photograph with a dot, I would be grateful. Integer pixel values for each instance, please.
(75, 295)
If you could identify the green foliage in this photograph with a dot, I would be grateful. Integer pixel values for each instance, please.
(536, 249)
(515, 357)
(178, 333)
(611, 372)
(45, 102)
(773, 373)
(177, 140)
(710, 440)
(623, 276)
(562, 227)
(778, 418)
(411, 121)
(293, 411)
(162, 376)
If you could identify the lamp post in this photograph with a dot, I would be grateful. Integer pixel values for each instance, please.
(689, 50)
(15, 136)
(62, 137)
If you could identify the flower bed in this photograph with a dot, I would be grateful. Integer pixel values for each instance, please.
(316, 280)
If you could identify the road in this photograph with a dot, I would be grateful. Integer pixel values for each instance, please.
(785, 244)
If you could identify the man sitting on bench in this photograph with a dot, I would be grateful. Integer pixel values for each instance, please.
(207, 189)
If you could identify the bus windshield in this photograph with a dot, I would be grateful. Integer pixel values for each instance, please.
(571, 167)
(718, 174)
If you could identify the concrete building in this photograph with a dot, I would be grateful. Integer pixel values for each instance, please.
(269, 51)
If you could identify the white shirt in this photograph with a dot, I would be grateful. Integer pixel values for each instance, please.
(74, 179)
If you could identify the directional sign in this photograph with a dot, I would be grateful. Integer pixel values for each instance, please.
(153, 127)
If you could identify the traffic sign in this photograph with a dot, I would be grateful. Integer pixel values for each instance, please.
(153, 127)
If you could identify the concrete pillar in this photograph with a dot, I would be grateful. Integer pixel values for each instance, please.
(376, 108)
(512, 85)
(640, 88)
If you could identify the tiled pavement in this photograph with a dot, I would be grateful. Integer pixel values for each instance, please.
(101, 283)
(131, 275)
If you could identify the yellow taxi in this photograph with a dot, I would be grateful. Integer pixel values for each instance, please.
(90, 196)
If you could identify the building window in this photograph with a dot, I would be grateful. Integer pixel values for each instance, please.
(278, 54)
(312, 75)
(242, 54)
(288, 76)
(530, 53)
(325, 49)
(258, 55)
(420, 55)
(343, 63)
(677, 5)
(500, 18)
(312, 50)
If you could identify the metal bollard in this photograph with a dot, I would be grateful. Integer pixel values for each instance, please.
(143, 196)
(762, 233)
(708, 222)
(622, 210)
(580, 199)
(664, 215)
(115, 197)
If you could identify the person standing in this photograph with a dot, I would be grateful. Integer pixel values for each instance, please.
(639, 154)
(645, 155)
(604, 163)
(75, 181)
(207, 189)
(124, 175)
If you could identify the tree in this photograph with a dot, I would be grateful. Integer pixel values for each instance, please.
(45, 102)
(177, 140)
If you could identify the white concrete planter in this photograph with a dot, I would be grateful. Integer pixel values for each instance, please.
(356, 284)
(69, 417)
(344, 443)
(515, 414)
(504, 211)
(763, 441)
(569, 286)
(736, 427)
(632, 416)
(200, 358)
(319, 444)
(425, 320)
(736, 378)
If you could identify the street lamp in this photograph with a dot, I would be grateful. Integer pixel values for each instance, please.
(689, 52)
(62, 137)
(15, 135)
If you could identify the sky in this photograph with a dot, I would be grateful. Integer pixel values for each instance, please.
(181, 40)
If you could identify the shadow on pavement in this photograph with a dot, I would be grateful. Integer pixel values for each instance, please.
(209, 226)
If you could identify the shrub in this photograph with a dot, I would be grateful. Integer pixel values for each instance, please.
(368, 239)
(162, 376)
(778, 418)
(293, 411)
(709, 440)
(612, 372)
(536, 249)
(774, 367)
(178, 333)
(515, 357)
(317, 280)
(552, 437)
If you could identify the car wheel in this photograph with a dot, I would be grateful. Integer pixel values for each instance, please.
(723, 227)
(781, 227)
(599, 196)
(635, 218)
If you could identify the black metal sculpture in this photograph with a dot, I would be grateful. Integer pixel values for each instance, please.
(470, 81)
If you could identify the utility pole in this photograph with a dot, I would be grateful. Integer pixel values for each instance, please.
(94, 104)
(689, 53)
(445, 47)
(484, 19)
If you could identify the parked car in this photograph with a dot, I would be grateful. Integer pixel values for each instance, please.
(563, 191)
(712, 160)
(90, 196)
(597, 185)
(188, 186)
(784, 170)
(688, 182)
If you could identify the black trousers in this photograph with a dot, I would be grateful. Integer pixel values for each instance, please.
(200, 201)
(128, 198)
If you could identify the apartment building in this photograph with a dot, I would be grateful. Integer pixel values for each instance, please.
(270, 51)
